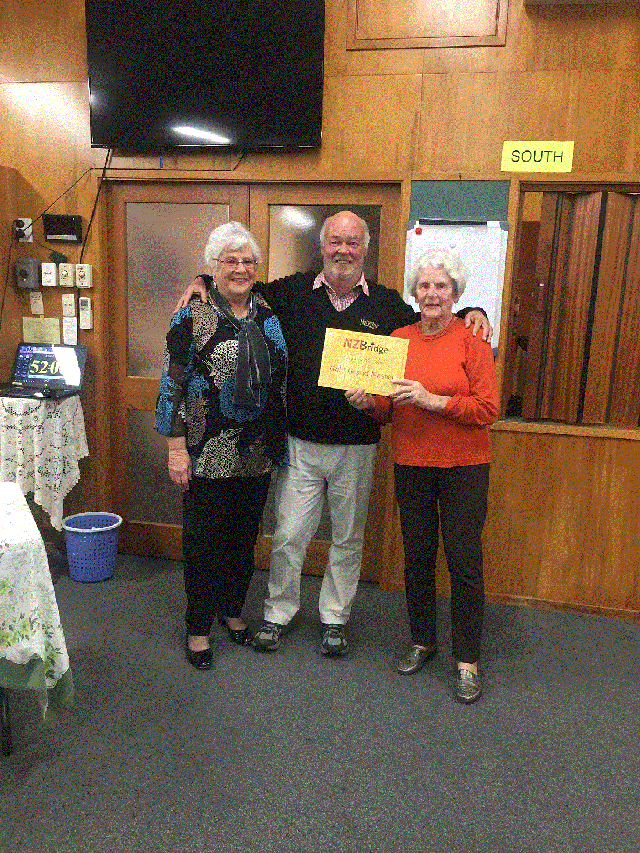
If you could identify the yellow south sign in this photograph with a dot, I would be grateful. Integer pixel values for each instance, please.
(537, 156)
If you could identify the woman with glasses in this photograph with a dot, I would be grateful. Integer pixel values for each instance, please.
(222, 408)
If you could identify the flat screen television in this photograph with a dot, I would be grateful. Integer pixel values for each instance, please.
(229, 73)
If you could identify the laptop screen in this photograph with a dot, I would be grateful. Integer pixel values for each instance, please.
(51, 365)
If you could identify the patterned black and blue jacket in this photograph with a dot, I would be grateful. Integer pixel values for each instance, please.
(196, 394)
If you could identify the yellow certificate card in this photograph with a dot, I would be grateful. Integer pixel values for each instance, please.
(359, 360)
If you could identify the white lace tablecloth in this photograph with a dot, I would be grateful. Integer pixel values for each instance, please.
(33, 653)
(41, 442)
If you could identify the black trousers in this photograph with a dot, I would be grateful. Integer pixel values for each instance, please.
(455, 499)
(221, 520)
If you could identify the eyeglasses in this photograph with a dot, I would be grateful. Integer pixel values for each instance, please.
(234, 263)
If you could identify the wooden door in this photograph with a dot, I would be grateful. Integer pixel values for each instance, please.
(584, 351)
(286, 221)
(157, 234)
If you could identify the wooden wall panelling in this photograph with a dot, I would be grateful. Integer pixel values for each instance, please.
(559, 69)
(10, 322)
(607, 95)
(565, 531)
(347, 63)
(367, 124)
(557, 307)
(564, 39)
(101, 340)
(391, 549)
(571, 38)
(624, 397)
(570, 343)
(42, 42)
(553, 42)
(603, 338)
(514, 208)
(545, 280)
(47, 136)
(94, 394)
(522, 303)
(515, 509)
(467, 117)
(574, 301)
(509, 320)
(47, 145)
(524, 281)
(379, 24)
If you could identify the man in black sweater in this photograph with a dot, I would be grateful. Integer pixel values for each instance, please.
(332, 446)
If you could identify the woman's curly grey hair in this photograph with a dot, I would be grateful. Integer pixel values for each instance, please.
(231, 235)
(444, 259)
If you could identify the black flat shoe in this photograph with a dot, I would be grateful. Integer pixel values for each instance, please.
(199, 660)
(241, 636)
(414, 659)
(467, 688)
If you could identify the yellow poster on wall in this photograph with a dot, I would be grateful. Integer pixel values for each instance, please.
(360, 360)
(41, 330)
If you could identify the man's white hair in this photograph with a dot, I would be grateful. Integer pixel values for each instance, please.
(365, 227)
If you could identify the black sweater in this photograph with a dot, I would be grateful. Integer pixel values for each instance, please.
(317, 414)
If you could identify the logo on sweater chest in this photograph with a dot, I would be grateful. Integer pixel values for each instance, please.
(370, 324)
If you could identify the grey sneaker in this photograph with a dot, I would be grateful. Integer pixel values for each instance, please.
(467, 687)
(334, 642)
(269, 637)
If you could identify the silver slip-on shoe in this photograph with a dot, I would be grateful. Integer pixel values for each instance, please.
(414, 659)
(467, 687)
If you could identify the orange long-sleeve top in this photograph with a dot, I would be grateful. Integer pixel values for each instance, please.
(455, 364)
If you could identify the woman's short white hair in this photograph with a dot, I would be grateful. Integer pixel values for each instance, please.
(231, 235)
(441, 258)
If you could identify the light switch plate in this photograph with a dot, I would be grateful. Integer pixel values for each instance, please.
(84, 275)
(49, 274)
(67, 275)
(35, 298)
(68, 305)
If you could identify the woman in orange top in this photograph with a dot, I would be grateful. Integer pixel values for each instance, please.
(441, 412)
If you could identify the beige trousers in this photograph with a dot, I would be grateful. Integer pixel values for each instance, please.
(344, 473)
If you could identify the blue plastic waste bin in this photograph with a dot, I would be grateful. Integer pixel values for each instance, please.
(92, 545)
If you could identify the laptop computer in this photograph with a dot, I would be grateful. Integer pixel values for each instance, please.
(53, 371)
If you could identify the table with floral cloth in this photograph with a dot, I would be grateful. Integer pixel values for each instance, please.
(33, 653)
(41, 442)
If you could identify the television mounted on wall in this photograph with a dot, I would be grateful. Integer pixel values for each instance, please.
(244, 74)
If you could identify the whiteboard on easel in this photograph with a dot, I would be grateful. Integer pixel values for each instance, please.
(482, 247)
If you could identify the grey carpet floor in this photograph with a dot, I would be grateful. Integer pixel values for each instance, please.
(295, 753)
